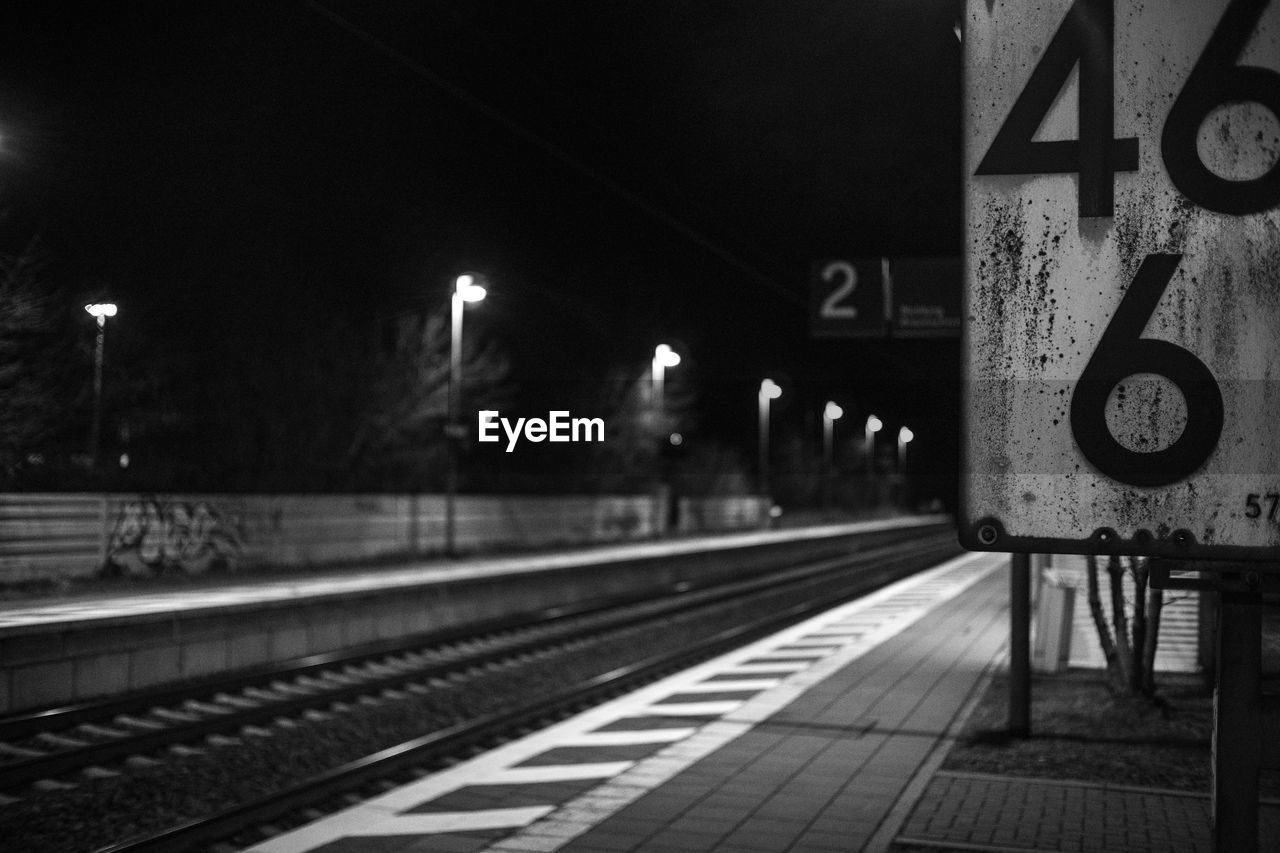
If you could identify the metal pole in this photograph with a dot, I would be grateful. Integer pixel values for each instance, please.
(873, 491)
(1237, 720)
(763, 461)
(659, 379)
(659, 375)
(1020, 645)
(451, 430)
(95, 429)
(828, 429)
(659, 503)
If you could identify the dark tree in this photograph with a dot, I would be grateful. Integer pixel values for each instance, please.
(35, 351)
(397, 435)
(1128, 644)
(636, 452)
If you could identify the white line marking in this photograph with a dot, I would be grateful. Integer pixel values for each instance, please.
(556, 773)
(739, 684)
(364, 821)
(431, 823)
(814, 643)
(750, 668)
(691, 709)
(590, 809)
(628, 737)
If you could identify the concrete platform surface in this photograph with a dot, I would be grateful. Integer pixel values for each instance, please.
(979, 811)
(811, 739)
(824, 738)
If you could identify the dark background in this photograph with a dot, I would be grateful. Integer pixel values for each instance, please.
(258, 183)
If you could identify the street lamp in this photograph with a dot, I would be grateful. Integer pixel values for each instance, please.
(769, 390)
(904, 438)
(663, 357)
(830, 414)
(100, 311)
(465, 289)
(873, 426)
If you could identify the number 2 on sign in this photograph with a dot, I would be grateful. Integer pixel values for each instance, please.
(832, 307)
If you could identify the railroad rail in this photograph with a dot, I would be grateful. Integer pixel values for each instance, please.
(62, 742)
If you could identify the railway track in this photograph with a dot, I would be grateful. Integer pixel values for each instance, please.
(112, 737)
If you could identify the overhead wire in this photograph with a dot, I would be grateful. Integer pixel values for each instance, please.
(551, 149)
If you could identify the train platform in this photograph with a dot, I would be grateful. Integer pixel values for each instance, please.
(220, 592)
(110, 641)
(825, 737)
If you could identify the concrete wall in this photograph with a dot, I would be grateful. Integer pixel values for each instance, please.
(76, 535)
(697, 515)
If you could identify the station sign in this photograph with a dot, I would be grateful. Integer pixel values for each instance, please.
(847, 298)
(926, 297)
(885, 297)
(1122, 277)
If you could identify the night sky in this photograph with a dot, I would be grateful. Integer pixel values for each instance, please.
(625, 173)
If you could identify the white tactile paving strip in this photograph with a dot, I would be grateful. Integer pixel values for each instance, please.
(688, 731)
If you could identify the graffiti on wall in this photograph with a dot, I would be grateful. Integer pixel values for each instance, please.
(151, 537)
(621, 519)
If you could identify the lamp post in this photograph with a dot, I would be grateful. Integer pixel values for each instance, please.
(663, 357)
(873, 426)
(465, 289)
(100, 311)
(830, 414)
(769, 390)
(904, 438)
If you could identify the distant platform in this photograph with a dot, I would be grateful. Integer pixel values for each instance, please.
(56, 651)
(228, 590)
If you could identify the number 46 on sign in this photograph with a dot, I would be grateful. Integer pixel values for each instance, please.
(1122, 313)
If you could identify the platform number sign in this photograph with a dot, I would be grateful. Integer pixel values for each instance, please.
(847, 297)
(1084, 40)
(1122, 277)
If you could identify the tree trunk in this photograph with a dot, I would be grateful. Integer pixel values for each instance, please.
(1124, 650)
(1141, 575)
(1100, 622)
(1155, 604)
